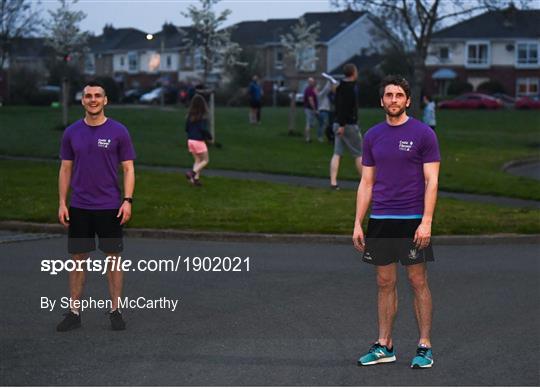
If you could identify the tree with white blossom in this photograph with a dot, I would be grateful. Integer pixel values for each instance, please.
(300, 43)
(209, 38)
(67, 40)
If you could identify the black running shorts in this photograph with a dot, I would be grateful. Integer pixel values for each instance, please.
(391, 240)
(85, 224)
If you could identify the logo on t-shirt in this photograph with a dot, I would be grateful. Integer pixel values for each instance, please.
(405, 145)
(103, 143)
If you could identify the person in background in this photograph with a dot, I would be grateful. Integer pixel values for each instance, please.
(197, 134)
(311, 109)
(255, 101)
(429, 112)
(324, 110)
(346, 130)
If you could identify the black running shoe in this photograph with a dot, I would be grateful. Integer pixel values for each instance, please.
(117, 322)
(70, 322)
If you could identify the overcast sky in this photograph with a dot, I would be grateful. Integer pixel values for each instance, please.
(149, 15)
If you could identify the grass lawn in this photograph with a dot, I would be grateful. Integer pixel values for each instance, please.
(28, 192)
(474, 144)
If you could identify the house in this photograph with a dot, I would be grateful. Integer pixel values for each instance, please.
(499, 46)
(342, 35)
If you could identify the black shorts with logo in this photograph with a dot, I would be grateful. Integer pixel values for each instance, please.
(391, 240)
(85, 224)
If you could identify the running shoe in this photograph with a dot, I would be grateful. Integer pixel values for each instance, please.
(71, 321)
(117, 322)
(190, 176)
(377, 354)
(197, 182)
(423, 358)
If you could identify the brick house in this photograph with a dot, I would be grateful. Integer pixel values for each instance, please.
(497, 46)
(342, 35)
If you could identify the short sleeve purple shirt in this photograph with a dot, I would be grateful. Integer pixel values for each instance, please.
(96, 152)
(310, 92)
(398, 154)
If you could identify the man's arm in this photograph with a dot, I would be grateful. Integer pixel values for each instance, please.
(311, 101)
(431, 176)
(363, 199)
(64, 179)
(129, 186)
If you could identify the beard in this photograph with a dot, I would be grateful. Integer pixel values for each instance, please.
(394, 114)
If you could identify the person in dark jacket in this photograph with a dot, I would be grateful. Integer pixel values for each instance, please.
(197, 134)
(346, 130)
(255, 101)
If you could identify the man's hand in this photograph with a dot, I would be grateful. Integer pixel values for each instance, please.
(341, 131)
(124, 212)
(63, 215)
(358, 237)
(422, 235)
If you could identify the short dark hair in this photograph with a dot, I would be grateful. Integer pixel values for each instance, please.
(349, 69)
(395, 79)
(95, 83)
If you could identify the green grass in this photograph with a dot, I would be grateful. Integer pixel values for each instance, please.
(28, 192)
(474, 144)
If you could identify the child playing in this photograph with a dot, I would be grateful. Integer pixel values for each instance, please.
(197, 133)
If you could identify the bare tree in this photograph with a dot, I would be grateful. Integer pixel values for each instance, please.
(408, 26)
(209, 39)
(68, 41)
(17, 19)
(300, 43)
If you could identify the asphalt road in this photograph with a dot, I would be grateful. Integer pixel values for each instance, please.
(301, 316)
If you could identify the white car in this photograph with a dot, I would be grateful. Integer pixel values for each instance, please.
(151, 97)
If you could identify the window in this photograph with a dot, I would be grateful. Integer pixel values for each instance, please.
(169, 61)
(478, 54)
(278, 58)
(133, 62)
(527, 86)
(443, 53)
(307, 60)
(198, 59)
(188, 60)
(527, 53)
(89, 64)
(122, 61)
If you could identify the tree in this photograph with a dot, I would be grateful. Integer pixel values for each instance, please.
(408, 26)
(211, 41)
(17, 19)
(300, 43)
(68, 41)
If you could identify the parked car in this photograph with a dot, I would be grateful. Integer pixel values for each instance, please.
(528, 103)
(507, 100)
(154, 96)
(472, 101)
(46, 95)
(133, 95)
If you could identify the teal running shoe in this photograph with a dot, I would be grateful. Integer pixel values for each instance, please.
(377, 354)
(423, 359)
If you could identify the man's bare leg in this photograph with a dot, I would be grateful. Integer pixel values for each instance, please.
(423, 306)
(334, 168)
(387, 302)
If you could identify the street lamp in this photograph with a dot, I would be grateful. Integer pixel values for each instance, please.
(161, 76)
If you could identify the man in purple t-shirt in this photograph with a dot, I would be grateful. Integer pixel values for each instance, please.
(399, 178)
(92, 148)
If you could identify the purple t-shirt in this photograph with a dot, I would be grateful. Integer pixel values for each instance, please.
(310, 92)
(96, 152)
(398, 154)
